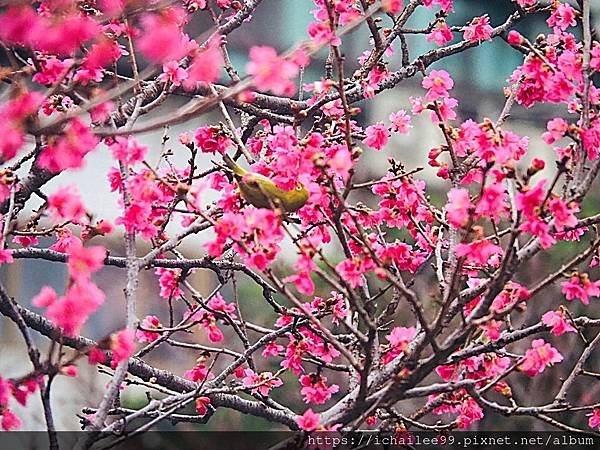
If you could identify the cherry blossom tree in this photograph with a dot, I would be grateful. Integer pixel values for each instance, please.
(399, 309)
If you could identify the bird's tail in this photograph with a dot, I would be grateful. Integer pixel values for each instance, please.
(235, 168)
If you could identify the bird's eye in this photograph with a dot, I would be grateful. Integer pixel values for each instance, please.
(298, 187)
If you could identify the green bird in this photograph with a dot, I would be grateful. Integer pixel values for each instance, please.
(261, 192)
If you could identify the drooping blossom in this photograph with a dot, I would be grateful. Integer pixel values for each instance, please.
(558, 322)
(538, 357)
(580, 286)
(309, 421)
(315, 389)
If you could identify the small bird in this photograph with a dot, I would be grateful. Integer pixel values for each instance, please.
(261, 192)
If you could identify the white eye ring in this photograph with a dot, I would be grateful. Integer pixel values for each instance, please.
(299, 187)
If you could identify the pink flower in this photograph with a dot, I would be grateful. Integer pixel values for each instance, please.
(71, 312)
(557, 128)
(52, 70)
(540, 356)
(262, 383)
(479, 29)
(82, 261)
(469, 412)
(206, 66)
(525, 3)
(149, 323)
(128, 150)
(271, 72)
(441, 34)
(309, 421)
(377, 136)
(321, 33)
(10, 421)
(168, 279)
(478, 251)
(68, 150)
(459, 207)
(530, 199)
(350, 270)
(173, 73)
(580, 286)
(341, 161)
(562, 17)
(445, 5)
(202, 404)
(514, 38)
(6, 256)
(161, 39)
(198, 374)
(437, 83)
(303, 281)
(564, 215)
(66, 205)
(45, 298)
(400, 122)
(558, 322)
(212, 140)
(399, 338)
(392, 6)
(594, 420)
(493, 202)
(122, 345)
(315, 389)
(272, 349)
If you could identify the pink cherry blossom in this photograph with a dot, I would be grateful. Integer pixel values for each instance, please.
(149, 323)
(377, 136)
(309, 421)
(437, 83)
(83, 261)
(162, 39)
(459, 207)
(315, 389)
(479, 29)
(271, 72)
(594, 420)
(68, 150)
(441, 34)
(399, 338)
(173, 73)
(580, 286)
(198, 373)
(562, 17)
(540, 356)
(261, 383)
(392, 6)
(122, 346)
(558, 322)
(401, 122)
(128, 150)
(202, 405)
(66, 205)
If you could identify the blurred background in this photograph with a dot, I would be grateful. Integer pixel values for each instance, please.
(480, 75)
